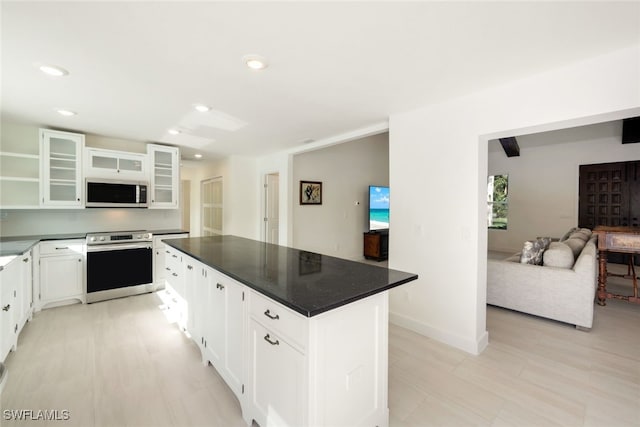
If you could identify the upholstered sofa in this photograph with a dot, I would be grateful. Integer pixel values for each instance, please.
(562, 288)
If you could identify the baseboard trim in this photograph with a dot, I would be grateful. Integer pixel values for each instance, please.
(474, 347)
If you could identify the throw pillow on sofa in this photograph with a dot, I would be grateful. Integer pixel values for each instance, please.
(580, 235)
(532, 251)
(568, 233)
(576, 244)
(558, 255)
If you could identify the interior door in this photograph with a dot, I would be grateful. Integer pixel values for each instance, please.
(272, 214)
(609, 195)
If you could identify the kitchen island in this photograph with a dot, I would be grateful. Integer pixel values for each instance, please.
(301, 338)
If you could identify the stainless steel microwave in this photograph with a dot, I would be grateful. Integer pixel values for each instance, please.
(103, 193)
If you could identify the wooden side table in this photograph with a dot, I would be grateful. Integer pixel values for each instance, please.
(624, 240)
(376, 245)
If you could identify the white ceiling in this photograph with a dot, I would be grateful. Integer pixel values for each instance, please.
(136, 69)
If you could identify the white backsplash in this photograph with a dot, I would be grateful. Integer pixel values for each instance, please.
(63, 221)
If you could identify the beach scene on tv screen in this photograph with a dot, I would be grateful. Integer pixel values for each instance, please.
(378, 208)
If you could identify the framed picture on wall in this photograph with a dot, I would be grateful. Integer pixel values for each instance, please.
(310, 193)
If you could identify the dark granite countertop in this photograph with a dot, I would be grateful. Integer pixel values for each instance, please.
(306, 282)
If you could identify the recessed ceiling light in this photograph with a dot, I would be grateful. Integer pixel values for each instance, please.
(197, 156)
(53, 70)
(202, 108)
(66, 112)
(174, 131)
(255, 62)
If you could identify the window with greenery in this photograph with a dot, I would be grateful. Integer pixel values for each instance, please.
(497, 201)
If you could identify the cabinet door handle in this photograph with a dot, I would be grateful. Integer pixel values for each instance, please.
(267, 338)
(59, 248)
(220, 286)
(25, 259)
(167, 251)
(6, 307)
(190, 267)
(79, 259)
(268, 314)
(175, 256)
(167, 268)
(175, 274)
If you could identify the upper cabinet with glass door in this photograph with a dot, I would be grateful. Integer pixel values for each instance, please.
(61, 168)
(164, 176)
(118, 165)
(19, 167)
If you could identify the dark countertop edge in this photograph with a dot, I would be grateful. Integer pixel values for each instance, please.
(170, 231)
(286, 303)
(78, 235)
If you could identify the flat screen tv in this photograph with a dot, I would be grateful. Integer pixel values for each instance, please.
(378, 207)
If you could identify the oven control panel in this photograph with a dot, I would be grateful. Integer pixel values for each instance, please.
(119, 237)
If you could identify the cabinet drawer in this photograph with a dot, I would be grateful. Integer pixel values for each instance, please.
(61, 247)
(279, 319)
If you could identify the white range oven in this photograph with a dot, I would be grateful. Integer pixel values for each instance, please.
(119, 264)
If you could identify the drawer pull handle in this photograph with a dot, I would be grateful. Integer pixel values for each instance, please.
(167, 268)
(175, 256)
(167, 251)
(267, 338)
(190, 267)
(25, 260)
(220, 286)
(268, 314)
(60, 248)
(6, 307)
(175, 274)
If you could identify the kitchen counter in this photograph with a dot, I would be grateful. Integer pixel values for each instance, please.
(17, 245)
(307, 282)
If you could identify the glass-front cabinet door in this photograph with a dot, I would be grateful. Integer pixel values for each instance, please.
(61, 168)
(164, 177)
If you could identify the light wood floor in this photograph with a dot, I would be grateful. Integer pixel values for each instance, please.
(121, 363)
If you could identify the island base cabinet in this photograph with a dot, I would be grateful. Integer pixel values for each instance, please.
(277, 378)
(337, 377)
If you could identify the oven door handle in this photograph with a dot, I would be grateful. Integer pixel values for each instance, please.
(119, 247)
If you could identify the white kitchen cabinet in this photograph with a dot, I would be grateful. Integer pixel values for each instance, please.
(19, 168)
(223, 329)
(277, 383)
(61, 272)
(61, 169)
(9, 314)
(25, 289)
(325, 370)
(117, 165)
(194, 295)
(164, 176)
(15, 301)
(175, 290)
(159, 251)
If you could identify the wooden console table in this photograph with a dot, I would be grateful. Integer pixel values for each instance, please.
(624, 240)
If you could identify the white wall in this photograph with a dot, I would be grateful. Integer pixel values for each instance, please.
(438, 169)
(346, 171)
(543, 181)
(54, 221)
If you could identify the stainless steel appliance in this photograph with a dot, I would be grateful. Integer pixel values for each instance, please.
(104, 193)
(119, 264)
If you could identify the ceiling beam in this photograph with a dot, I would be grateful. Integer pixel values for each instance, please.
(510, 146)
